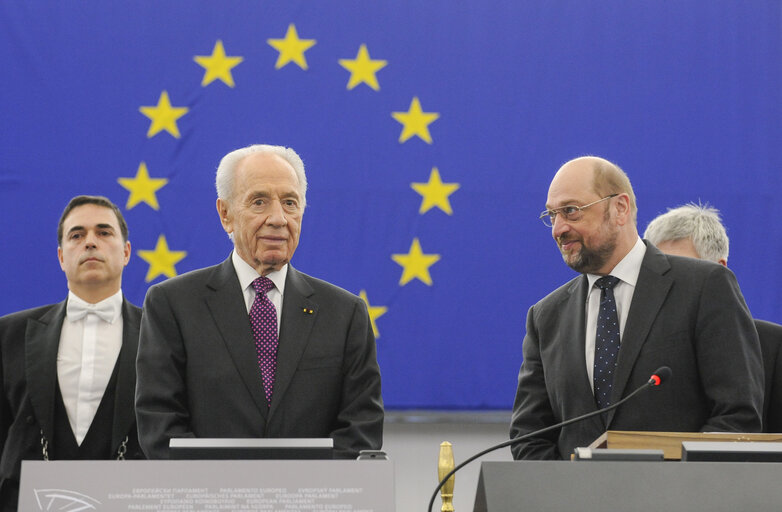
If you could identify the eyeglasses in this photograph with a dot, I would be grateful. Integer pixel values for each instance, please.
(571, 213)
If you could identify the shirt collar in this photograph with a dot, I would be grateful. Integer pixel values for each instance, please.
(248, 274)
(628, 268)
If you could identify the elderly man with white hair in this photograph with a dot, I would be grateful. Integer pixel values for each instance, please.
(252, 347)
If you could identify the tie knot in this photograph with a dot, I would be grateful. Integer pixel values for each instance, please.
(607, 282)
(262, 285)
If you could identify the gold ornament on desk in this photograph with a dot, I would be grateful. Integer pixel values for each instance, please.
(444, 466)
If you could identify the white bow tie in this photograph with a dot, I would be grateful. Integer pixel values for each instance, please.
(76, 310)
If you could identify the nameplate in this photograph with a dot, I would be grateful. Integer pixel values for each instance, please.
(224, 486)
(195, 448)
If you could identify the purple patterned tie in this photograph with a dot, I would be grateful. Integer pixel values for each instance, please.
(263, 320)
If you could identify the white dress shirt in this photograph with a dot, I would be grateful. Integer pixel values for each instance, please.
(247, 275)
(627, 271)
(88, 351)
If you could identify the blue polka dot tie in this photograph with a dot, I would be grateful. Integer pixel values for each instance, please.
(606, 341)
(263, 320)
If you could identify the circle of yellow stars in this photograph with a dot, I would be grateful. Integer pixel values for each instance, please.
(291, 49)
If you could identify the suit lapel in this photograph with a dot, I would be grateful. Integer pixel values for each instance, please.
(298, 317)
(226, 303)
(124, 416)
(42, 339)
(651, 289)
(574, 314)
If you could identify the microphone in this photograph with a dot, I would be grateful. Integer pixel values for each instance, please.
(659, 376)
(662, 374)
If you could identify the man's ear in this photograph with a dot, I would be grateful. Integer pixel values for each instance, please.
(623, 211)
(225, 215)
(126, 251)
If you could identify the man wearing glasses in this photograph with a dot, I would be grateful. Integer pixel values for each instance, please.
(634, 309)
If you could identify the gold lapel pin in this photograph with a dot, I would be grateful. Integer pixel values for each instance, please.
(308, 311)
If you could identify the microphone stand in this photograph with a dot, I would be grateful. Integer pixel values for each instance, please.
(654, 381)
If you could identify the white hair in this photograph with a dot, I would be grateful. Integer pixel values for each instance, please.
(226, 171)
(699, 222)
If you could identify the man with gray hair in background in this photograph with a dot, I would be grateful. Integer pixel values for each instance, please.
(696, 231)
(252, 347)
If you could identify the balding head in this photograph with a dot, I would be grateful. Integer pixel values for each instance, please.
(595, 235)
(601, 176)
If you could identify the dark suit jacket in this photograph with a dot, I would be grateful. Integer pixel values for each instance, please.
(687, 314)
(29, 341)
(770, 342)
(198, 375)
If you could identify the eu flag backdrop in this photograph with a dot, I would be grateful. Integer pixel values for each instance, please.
(429, 130)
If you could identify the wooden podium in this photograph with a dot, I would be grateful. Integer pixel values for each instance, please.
(671, 442)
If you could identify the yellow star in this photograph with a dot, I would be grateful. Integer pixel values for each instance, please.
(415, 122)
(415, 264)
(435, 193)
(375, 312)
(161, 260)
(291, 48)
(142, 188)
(163, 116)
(217, 65)
(363, 69)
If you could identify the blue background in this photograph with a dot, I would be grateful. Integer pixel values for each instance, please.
(685, 96)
